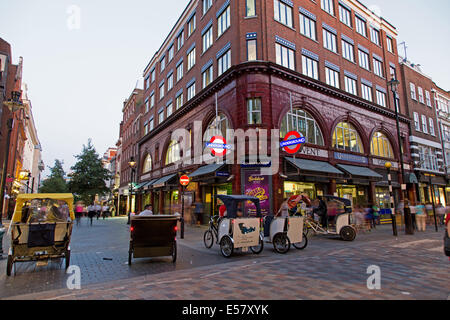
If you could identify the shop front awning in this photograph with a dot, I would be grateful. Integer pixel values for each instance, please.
(162, 181)
(359, 171)
(314, 166)
(206, 170)
(149, 184)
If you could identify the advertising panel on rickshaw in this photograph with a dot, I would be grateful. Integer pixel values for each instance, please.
(246, 232)
(295, 231)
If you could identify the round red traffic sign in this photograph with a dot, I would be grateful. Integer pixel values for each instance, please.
(294, 142)
(218, 140)
(184, 180)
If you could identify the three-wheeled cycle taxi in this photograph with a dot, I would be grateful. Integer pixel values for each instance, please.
(40, 229)
(285, 231)
(153, 236)
(240, 229)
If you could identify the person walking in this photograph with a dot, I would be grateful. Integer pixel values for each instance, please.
(78, 213)
(198, 213)
(412, 209)
(105, 211)
(429, 213)
(440, 212)
(421, 217)
(91, 212)
(98, 210)
(322, 212)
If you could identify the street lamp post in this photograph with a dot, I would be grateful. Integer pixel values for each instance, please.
(13, 105)
(407, 213)
(431, 187)
(132, 164)
(388, 166)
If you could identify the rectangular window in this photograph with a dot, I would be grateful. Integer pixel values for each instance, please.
(191, 25)
(364, 60)
(328, 6)
(152, 75)
(170, 82)
(424, 124)
(223, 22)
(170, 54)
(206, 5)
(428, 97)
(251, 50)
(283, 13)
(329, 40)
(416, 121)
(421, 98)
(413, 91)
(191, 59)
(254, 111)
(191, 91)
(163, 64)
(332, 77)
(393, 72)
(390, 44)
(361, 26)
(351, 85)
(207, 76)
(147, 105)
(375, 36)
(179, 101)
(152, 101)
(224, 63)
(161, 91)
(285, 56)
(308, 27)
(180, 40)
(378, 67)
(348, 51)
(147, 82)
(381, 98)
(207, 39)
(180, 72)
(145, 128)
(345, 16)
(151, 124)
(432, 132)
(169, 109)
(366, 92)
(250, 8)
(161, 116)
(310, 67)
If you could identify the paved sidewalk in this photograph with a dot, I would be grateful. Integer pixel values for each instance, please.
(412, 267)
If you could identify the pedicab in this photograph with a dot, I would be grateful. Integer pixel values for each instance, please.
(342, 226)
(284, 231)
(40, 229)
(153, 236)
(240, 229)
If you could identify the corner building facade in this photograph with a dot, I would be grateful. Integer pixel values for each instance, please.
(287, 65)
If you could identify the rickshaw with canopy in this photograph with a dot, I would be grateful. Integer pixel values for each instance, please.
(40, 229)
(241, 228)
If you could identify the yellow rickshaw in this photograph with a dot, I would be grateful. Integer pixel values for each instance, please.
(41, 228)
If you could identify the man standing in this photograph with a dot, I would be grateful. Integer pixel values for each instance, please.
(148, 211)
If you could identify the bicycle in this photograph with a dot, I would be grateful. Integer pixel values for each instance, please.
(212, 232)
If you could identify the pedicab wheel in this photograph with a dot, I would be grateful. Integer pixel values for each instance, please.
(259, 248)
(348, 233)
(208, 239)
(281, 243)
(226, 246)
(9, 265)
(67, 258)
(174, 252)
(301, 245)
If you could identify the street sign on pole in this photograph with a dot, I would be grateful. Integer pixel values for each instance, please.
(184, 180)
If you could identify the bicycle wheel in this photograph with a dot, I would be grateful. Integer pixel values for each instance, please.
(281, 243)
(259, 248)
(208, 239)
(301, 245)
(226, 246)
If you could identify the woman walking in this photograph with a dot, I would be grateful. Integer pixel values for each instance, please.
(78, 213)
(421, 217)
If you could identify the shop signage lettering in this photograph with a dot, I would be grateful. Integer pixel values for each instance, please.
(379, 162)
(319, 153)
(222, 174)
(350, 158)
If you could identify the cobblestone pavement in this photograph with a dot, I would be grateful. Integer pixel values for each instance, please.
(412, 267)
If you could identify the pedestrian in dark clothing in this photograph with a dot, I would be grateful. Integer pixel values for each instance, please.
(91, 212)
(322, 212)
(198, 212)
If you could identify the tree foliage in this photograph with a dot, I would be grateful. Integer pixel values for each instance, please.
(56, 182)
(88, 178)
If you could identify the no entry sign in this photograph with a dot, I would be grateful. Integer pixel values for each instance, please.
(292, 142)
(184, 180)
(218, 146)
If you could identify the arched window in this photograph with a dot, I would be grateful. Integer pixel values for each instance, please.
(173, 152)
(218, 125)
(345, 137)
(302, 122)
(381, 146)
(147, 164)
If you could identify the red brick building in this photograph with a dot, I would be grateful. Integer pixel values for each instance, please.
(318, 67)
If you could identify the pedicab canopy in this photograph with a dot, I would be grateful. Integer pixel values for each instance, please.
(231, 203)
(346, 202)
(44, 207)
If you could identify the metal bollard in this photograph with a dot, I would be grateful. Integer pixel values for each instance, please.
(2, 232)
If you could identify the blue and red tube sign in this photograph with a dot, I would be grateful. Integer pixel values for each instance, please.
(218, 146)
(292, 142)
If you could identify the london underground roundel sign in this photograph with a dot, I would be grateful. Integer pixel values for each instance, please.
(184, 180)
(292, 142)
(218, 146)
